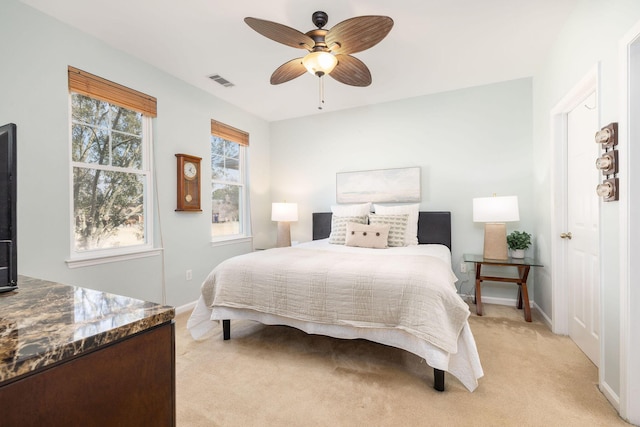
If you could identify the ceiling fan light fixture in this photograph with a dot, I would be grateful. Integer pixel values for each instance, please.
(319, 63)
(329, 50)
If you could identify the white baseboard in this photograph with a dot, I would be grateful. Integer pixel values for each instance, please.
(611, 396)
(545, 318)
(186, 308)
(510, 302)
(496, 300)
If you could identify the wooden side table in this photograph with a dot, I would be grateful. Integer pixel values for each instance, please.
(522, 264)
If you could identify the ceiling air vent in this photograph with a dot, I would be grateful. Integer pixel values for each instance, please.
(221, 80)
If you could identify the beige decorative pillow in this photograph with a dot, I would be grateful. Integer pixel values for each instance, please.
(411, 236)
(397, 227)
(339, 227)
(367, 236)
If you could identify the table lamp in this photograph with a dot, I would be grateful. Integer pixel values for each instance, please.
(284, 213)
(495, 212)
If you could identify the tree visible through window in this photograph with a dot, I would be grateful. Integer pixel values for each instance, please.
(110, 175)
(110, 166)
(227, 188)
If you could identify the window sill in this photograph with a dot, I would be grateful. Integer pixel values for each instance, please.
(231, 241)
(96, 259)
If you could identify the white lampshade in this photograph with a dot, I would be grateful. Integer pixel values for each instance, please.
(496, 209)
(319, 63)
(285, 212)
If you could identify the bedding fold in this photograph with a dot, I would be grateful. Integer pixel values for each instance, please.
(414, 293)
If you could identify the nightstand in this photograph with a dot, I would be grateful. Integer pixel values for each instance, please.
(523, 265)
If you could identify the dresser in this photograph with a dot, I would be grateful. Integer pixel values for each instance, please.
(75, 356)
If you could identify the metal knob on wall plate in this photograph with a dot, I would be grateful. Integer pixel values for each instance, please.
(566, 235)
(608, 135)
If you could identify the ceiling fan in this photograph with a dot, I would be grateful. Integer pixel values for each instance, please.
(329, 50)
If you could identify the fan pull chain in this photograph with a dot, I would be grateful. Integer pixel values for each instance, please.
(321, 93)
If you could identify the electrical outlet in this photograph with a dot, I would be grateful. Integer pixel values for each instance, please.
(463, 267)
(189, 275)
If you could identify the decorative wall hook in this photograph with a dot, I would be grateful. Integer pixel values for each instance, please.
(608, 190)
(608, 163)
(608, 135)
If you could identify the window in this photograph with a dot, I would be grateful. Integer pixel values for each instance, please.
(111, 167)
(229, 207)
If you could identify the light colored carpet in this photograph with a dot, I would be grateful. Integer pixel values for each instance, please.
(279, 376)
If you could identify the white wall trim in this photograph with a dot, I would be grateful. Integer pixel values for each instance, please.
(95, 259)
(629, 248)
(503, 301)
(497, 300)
(558, 150)
(231, 241)
(511, 302)
(185, 308)
(611, 396)
(546, 319)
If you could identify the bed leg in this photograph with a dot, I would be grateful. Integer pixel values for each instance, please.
(226, 329)
(438, 379)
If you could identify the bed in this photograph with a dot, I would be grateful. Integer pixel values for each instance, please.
(403, 297)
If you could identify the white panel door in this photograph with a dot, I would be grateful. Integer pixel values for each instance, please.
(583, 223)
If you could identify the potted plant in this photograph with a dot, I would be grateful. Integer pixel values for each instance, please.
(518, 241)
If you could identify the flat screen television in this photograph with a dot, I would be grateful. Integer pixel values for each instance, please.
(8, 193)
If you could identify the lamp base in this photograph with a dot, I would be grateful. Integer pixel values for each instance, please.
(495, 241)
(284, 234)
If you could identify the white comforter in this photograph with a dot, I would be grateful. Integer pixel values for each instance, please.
(374, 291)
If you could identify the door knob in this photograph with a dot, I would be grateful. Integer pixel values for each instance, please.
(566, 235)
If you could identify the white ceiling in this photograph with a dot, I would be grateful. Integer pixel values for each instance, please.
(434, 46)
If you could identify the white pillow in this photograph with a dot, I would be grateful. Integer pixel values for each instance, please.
(339, 227)
(367, 236)
(397, 227)
(352, 210)
(411, 238)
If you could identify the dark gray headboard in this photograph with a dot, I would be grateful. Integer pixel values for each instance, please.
(433, 227)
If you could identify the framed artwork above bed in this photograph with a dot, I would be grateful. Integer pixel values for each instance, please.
(400, 185)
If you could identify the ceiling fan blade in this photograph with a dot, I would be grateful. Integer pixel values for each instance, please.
(351, 71)
(357, 34)
(280, 33)
(288, 71)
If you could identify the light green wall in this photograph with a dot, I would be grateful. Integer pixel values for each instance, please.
(468, 143)
(36, 52)
(590, 37)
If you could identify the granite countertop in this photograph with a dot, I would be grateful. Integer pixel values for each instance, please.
(42, 323)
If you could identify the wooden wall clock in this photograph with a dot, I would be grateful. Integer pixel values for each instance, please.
(188, 183)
